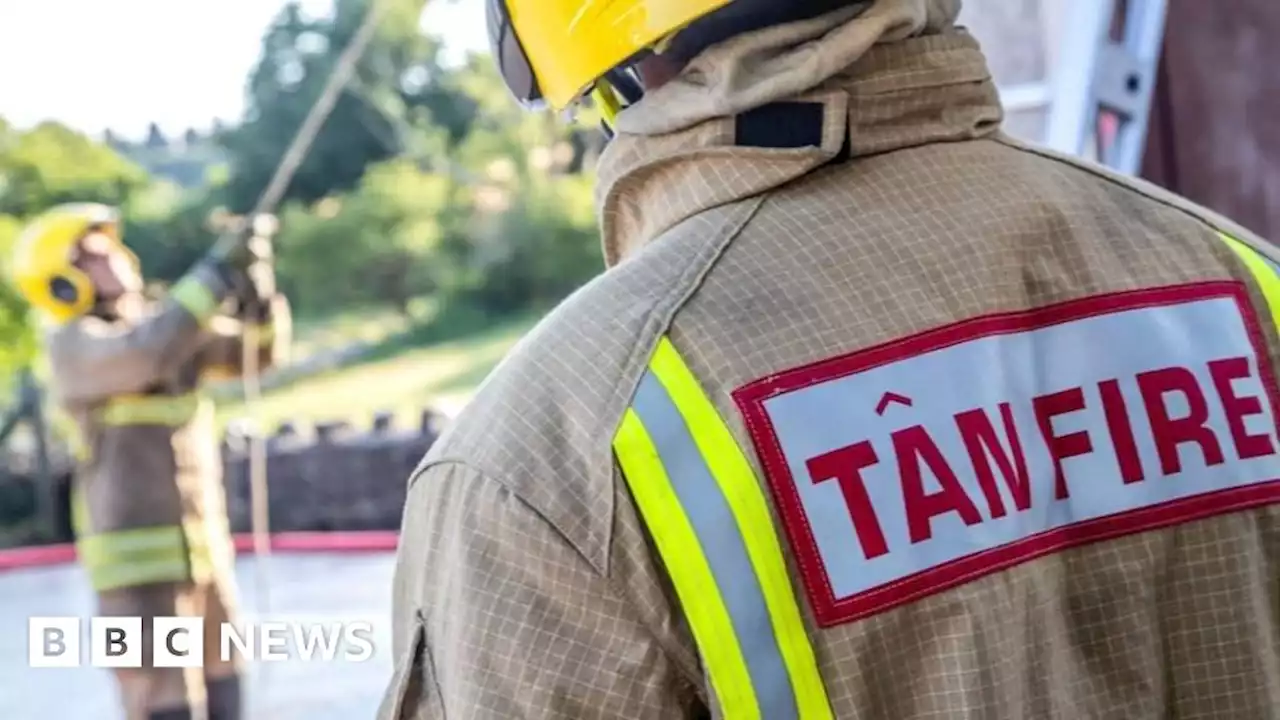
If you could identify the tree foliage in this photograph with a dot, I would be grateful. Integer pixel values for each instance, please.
(389, 236)
(39, 168)
(426, 183)
(52, 164)
(17, 336)
(399, 89)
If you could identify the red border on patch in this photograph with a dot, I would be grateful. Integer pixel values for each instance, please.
(829, 610)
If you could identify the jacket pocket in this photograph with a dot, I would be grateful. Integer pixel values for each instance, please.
(413, 693)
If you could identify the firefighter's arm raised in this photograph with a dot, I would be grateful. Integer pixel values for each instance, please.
(93, 360)
(496, 615)
(222, 354)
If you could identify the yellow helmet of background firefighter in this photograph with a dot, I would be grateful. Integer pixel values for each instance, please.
(42, 267)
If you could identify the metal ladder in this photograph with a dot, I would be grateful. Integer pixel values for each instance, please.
(1097, 75)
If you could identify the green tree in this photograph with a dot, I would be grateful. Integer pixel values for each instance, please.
(18, 341)
(168, 228)
(52, 164)
(397, 99)
(41, 167)
(503, 131)
(382, 244)
(537, 244)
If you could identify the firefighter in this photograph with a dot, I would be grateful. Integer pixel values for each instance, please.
(876, 413)
(148, 504)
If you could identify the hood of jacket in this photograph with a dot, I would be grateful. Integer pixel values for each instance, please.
(888, 75)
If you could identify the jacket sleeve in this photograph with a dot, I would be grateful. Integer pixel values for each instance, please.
(93, 360)
(222, 354)
(496, 615)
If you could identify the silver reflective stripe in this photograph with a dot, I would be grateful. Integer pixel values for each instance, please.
(726, 553)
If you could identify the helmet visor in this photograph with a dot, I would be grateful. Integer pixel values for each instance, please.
(513, 62)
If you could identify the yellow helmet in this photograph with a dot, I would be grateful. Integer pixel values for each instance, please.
(42, 266)
(554, 52)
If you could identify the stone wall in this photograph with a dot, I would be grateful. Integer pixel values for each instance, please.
(33, 511)
(333, 477)
(337, 478)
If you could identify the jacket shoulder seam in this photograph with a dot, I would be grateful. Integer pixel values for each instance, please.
(609, 580)
(510, 487)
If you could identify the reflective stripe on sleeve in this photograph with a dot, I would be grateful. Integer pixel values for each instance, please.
(266, 333)
(707, 513)
(169, 410)
(197, 298)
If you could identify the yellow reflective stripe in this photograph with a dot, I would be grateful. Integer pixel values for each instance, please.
(219, 371)
(137, 556)
(79, 449)
(197, 298)
(139, 572)
(210, 546)
(80, 523)
(138, 542)
(1262, 271)
(733, 473)
(171, 410)
(198, 545)
(141, 556)
(74, 436)
(266, 333)
(690, 573)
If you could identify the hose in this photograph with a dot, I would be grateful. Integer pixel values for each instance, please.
(260, 522)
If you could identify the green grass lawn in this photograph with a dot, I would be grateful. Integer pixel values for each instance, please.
(371, 326)
(441, 375)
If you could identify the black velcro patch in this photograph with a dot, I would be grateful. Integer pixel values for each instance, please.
(780, 125)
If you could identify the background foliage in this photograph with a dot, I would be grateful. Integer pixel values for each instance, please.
(427, 189)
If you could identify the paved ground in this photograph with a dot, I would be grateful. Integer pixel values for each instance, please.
(328, 587)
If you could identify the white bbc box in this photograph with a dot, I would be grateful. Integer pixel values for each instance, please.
(53, 642)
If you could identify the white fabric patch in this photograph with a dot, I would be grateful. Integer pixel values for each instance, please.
(907, 469)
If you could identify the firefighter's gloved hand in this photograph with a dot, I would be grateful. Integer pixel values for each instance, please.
(231, 258)
(260, 274)
(254, 296)
(245, 265)
(235, 253)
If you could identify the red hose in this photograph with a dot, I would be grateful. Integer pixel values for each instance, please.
(302, 542)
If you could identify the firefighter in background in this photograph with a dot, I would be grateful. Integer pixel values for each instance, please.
(148, 502)
(878, 412)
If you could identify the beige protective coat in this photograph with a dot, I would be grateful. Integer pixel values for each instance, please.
(527, 586)
(160, 470)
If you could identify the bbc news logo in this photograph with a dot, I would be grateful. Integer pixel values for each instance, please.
(179, 641)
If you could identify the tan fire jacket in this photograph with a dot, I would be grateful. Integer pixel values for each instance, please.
(148, 503)
(878, 413)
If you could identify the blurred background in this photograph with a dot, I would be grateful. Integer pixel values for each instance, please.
(431, 224)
